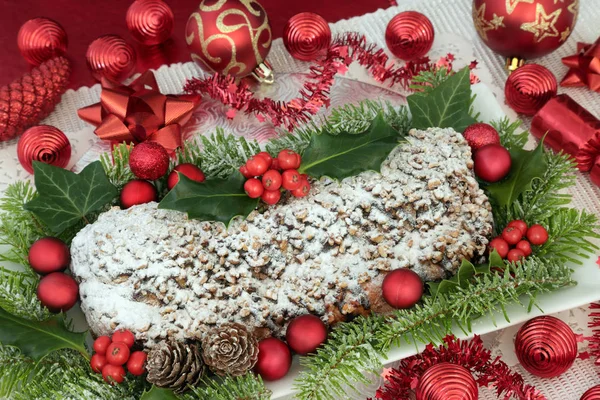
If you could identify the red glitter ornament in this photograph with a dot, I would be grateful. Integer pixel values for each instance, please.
(481, 134)
(137, 192)
(306, 36)
(48, 255)
(110, 57)
(58, 292)
(492, 163)
(150, 22)
(446, 381)
(274, 359)
(41, 39)
(189, 170)
(546, 346)
(402, 288)
(149, 160)
(592, 394)
(409, 35)
(529, 88)
(305, 334)
(45, 144)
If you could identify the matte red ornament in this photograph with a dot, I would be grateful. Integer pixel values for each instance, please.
(546, 346)
(189, 170)
(150, 22)
(447, 381)
(58, 291)
(529, 88)
(492, 163)
(305, 334)
(402, 288)
(45, 144)
(409, 35)
(111, 57)
(41, 39)
(481, 134)
(306, 36)
(137, 192)
(149, 160)
(274, 359)
(592, 394)
(48, 255)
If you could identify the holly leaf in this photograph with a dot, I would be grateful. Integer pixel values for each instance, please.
(37, 339)
(342, 155)
(446, 106)
(527, 165)
(212, 200)
(65, 198)
(156, 393)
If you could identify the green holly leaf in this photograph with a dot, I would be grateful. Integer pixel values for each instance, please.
(446, 106)
(527, 165)
(212, 200)
(156, 393)
(342, 155)
(37, 339)
(65, 198)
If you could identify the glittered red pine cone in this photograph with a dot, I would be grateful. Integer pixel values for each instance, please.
(592, 394)
(110, 56)
(41, 39)
(45, 144)
(529, 88)
(447, 381)
(409, 35)
(150, 22)
(306, 36)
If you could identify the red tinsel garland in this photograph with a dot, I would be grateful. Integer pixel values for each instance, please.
(594, 340)
(469, 354)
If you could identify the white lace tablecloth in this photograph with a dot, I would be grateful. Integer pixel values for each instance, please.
(454, 33)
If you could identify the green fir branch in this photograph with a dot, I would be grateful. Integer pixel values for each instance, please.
(246, 387)
(18, 295)
(509, 137)
(116, 165)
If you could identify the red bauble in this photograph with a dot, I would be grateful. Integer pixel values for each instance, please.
(189, 170)
(446, 381)
(546, 346)
(41, 39)
(592, 394)
(492, 163)
(274, 359)
(402, 288)
(45, 144)
(529, 88)
(409, 35)
(110, 57)
(49, 255)
(305, 334)
(524, 28)
(138, 192)
(230, 37)
(306, 36)
(481, 134)
(150, 22)
(58, 292)
(149, 160)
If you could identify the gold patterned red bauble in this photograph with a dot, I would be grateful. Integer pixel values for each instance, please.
(446, 381)
(150, 22)
(41, 39)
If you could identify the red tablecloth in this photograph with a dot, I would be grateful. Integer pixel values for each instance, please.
(85, 20)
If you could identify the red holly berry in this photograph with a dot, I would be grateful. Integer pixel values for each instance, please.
(267, 158)
(117, 353)
(257, 166)
(291, 179)
(101, 344)
(275, 165)
(288, 159)
(271, 196)
(125, 336)
(537, 234)
(500, 245)
(525, 247)
(189, 170)
(244, 171)
(512, 235)
(521, 225)
(137, 363)
(515, 255)
(254, 188)
(97, 362)
(113, 373)
(303, 189)
(271, 180)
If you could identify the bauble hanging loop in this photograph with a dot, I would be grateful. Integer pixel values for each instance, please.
(409, 35)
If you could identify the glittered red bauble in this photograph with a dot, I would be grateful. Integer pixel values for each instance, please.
(189, 170)
(524, 28)
(46, 144)
(41, 39)
(592, 394)
(305, 333)
(137, 192)
(150, 22)
(409, 35)
(546, 346)
(229, 37)
(274, 359)
(529, 88)
(306, 36)
(110, 57)
(58, 292)
(481, 134)
(492, 163)
(149, 160)
(446, 381)
(402, 288)
(48, 255)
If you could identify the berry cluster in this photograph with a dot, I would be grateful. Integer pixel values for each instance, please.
(267, 175)
(518, 236)
(112, 353)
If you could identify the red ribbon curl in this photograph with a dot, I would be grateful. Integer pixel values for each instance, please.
(584, 67)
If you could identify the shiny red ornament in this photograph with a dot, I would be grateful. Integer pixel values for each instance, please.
(274, 359)
(546, 346)
(41, 39)
(149, 161)
(58, 292)
(45, 144)
(592, 394)
(409, 35)
(189, 170)
(150, 22)
(584, 67)
(402, 288)
(447, 381)
(492, 163)
(524, 28)
(48, 255)
(305, 334)
(137, 192)
(481, 134)
(229, 37)
(529, 88)
(306, 36)
(111, 57)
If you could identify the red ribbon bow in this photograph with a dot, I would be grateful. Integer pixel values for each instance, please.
(138, 112)
(584, 67)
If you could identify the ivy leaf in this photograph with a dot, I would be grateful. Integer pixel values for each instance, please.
(526, 166)
(446, 106)
(65, 198)
(212, 200)
(345, 154)
(156, 393)
(37, 339)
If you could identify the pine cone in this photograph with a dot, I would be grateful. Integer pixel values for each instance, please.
(230, 350)
(175, 366)
(29, 99)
